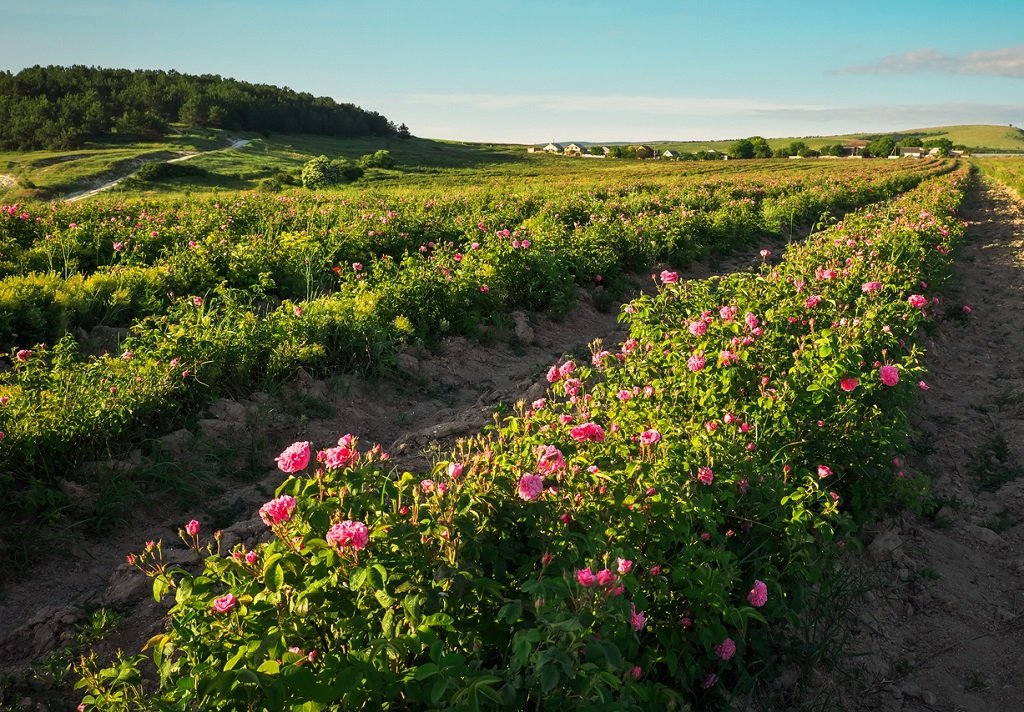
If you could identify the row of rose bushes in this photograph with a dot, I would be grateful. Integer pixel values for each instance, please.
(642, 537)
(113, 264)
(59, 406)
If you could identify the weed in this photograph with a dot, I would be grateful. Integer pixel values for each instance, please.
(993, 462)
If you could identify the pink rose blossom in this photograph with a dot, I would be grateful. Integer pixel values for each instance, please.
(277, 510)
(649, 437)
(251, 557)
(726, 649)
(812, 301)
(224, 604)
(348, 534)
(923, 386)
(636, 672)
(192, 528)
(23, 355)
(705, 475)
(530, 486)
(917, 301)
(669, 277)
(624, 566)
(889, 375)
(586, 578)
(455, 470)
(758, 595)
(869, 287)
(697, 328)
(849, 384)
(295, 457)
(696, 362)
(637, 619)
(605, 577)
(549, 460)
(824, 471)
(588, 432)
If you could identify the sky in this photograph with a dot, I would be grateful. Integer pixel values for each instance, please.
(532, 71)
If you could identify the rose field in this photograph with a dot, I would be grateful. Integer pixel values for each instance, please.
(667, 518)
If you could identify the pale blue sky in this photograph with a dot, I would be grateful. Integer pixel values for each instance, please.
(532, 70)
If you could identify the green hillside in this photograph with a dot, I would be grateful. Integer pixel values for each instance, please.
(977, 137)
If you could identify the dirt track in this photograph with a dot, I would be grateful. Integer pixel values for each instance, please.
(945, 628)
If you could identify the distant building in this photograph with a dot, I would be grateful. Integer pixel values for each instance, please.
(854, 148)
(907, 152)
(574, 149)
(670, 154)
(645, 151)
(553, 148)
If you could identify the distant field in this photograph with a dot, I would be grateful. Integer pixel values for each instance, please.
(975, 137)
(422, 164)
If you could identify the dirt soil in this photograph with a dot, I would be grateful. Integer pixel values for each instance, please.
(943, 628)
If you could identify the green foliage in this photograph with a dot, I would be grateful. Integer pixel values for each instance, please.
(322, 172)
(158, 171)
(377, 159)
(62, 107)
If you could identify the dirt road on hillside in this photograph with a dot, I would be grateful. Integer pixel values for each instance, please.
(136, 165)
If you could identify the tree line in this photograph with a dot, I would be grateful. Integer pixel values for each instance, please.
(60, 108)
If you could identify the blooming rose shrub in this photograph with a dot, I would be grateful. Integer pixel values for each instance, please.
(657, 559)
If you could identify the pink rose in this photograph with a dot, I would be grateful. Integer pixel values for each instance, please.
(696, 362)
(294, 458)
(697, 328)
(530, 486)
(586, 578)
(824, 471)
(192, 528)
(624, 565)
(758, 595)
(917, 301)
(224, 604)
(251, 557)
(705, 475)
(588, 432)
(869, 287)
(549, 459)
(455, 470)
(650, 437)
(277, 510)
(812, 301)
(669, 277)
(338, 457)
(637, 619)
(889, 375)
(348, 534)
(726, 649)
(849, 384)
(605, 577)
(23, 355)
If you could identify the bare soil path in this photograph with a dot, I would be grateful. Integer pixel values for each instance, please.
(944, 628)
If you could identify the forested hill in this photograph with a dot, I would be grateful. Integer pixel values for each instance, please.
(62, 107)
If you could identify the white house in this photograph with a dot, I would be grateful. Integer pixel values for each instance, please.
(574, 149)
(553, 148)
(669, 154)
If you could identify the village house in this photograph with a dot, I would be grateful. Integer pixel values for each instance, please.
(669, 154)
(907, 152)
(553, 148)
(854, 148)
(574, 149)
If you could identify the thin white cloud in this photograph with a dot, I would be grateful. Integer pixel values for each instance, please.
(1004, 62)
(616, 104)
